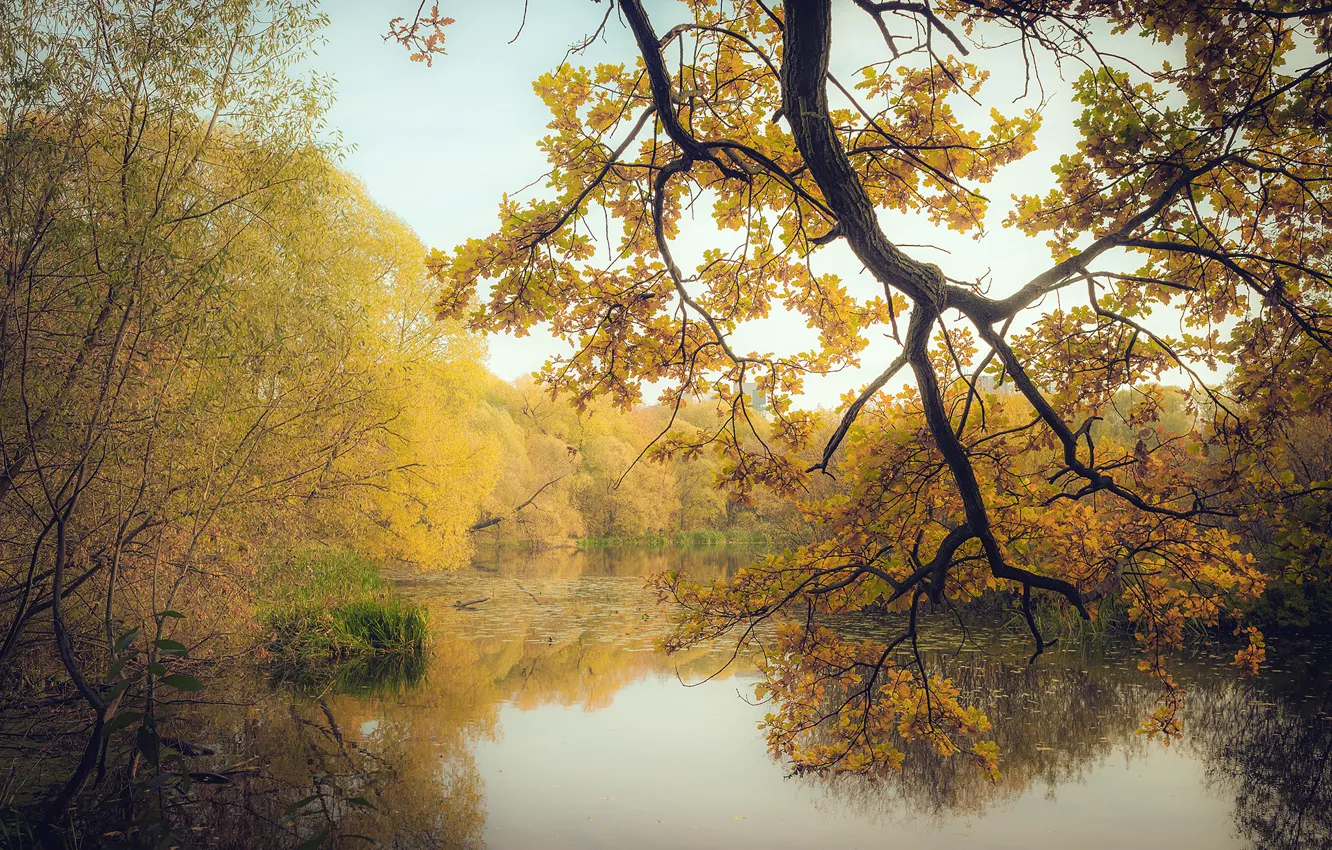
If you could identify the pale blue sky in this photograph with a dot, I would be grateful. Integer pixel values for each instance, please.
(439, 146)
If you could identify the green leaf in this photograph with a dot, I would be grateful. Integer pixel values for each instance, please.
(157, 669)
(298, 805)
(314, 842)
(117, 688)
(121, 720)
(125, 640)
(147, 741)
(182, 682)
(174, 614)
(171, 647)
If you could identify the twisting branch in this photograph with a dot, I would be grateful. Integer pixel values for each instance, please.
(1098, 480)
(805, 104)
(964, 475)
(660, 184)
(849, 417)
(525, 503)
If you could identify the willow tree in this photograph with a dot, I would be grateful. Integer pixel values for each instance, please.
(1185, 234)
(211, 342)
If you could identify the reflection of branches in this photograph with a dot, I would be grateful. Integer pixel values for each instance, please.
(1055, 724)
(403, 783)
(1275, 757)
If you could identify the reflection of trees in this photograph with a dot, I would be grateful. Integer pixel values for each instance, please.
(1269, 742)
(702, 562)
(568, 597)
(376, 768)
(407, 754)
(578, 642)
(585, 670)
(1275, 756)
(1053, 722)
(572, 642)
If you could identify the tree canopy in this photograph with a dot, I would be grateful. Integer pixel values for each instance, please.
(1016, 441)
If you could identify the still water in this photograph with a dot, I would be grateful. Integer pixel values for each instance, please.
(547, 719)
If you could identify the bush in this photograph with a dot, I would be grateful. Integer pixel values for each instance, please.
(1289, 606)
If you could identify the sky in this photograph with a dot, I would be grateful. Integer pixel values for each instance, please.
(439, 145)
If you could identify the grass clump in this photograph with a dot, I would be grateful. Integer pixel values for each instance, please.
(319, 576)
(1056, 619)
(328, 614)
(382, 626)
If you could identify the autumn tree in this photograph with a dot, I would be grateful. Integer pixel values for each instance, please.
(532, 501)
(137, 145)
(1184, 237)
(571, 471)
(212, 344)
(381, 445)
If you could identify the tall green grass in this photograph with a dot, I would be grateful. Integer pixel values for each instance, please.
(1056, 619)
(382, 626)
(329, 615)
(319, 575)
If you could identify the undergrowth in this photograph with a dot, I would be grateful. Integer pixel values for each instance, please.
(328, 615)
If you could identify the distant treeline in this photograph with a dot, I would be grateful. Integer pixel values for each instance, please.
(598, 476)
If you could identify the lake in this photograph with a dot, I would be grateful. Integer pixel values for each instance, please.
(547, 718)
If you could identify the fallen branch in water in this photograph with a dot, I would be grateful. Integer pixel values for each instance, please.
(483, 524)
(529, 593)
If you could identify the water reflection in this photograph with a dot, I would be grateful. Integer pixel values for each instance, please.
(340, 767)
(1274, 757)
(701, 561)
(546, 719)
